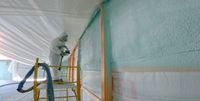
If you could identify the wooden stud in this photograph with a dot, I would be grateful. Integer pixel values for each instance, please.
(106, 73)
(78, 85)
(73, 60)
(35, 89)
(103, 64)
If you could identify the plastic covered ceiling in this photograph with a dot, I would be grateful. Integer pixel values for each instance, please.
(28, 26)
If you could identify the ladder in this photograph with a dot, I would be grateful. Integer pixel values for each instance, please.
(71, 83)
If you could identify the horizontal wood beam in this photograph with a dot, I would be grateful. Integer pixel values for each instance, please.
(153, 69)
(91, 94)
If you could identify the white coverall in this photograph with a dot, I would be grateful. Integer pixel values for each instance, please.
(55, 57)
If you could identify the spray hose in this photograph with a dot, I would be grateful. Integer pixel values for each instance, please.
(50, 90)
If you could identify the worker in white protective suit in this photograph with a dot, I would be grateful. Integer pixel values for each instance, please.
(58, 50)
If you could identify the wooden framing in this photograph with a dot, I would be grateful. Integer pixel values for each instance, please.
(106, 74)
(154, 69)
(35, 89)
(92, 95)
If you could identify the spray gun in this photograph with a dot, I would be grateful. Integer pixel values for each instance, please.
(64, 51)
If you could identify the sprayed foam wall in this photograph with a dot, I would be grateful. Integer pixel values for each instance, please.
(162, 34)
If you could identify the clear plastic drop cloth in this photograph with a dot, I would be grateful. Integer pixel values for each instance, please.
(28, 26)
(13, 70)
(156, 86)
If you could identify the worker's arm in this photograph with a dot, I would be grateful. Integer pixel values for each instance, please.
(55, 46)
(56, 50)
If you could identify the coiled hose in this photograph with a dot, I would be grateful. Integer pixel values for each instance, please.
(50, 90)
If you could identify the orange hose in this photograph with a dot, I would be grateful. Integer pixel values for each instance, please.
(69, 69)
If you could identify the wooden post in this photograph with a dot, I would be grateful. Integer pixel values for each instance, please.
(78, 84)
(73, 60)
(78, 79)
(106, 73)
(69, 69)
(35, 89)
(67, 94)
(46, 95)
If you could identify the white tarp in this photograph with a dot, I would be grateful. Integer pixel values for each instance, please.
(28, 26)
(25, 31)
(156, 86)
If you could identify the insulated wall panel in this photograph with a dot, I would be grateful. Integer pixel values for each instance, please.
(90, 58)
(149, 34)
(154, 33)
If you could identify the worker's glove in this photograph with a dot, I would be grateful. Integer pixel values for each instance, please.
(67, 51)
(64, 53)
(64, 50)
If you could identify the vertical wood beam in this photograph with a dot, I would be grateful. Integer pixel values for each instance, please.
(78, 84)
(73, 60)
(106, 73)
(35, 89)
(68, 69)
(103, 67)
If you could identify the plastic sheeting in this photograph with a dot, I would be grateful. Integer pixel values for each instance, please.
(13, 70)
(90, 58)
(27, 27)
(156, 86)
(7, 91)
(4, 74)
(18, 71)
(10, 89)
(26, 31)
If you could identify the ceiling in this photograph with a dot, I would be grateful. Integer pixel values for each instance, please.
(77, 15)
(28, 26)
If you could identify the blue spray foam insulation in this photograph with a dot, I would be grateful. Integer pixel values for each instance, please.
(90, 54)
(93, 16)
(154, 33)
(90, 57)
